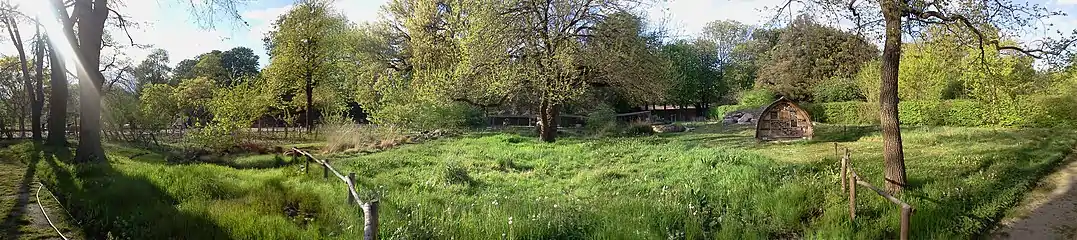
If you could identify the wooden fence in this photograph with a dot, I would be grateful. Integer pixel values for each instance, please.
(847, 172)
(370, 208)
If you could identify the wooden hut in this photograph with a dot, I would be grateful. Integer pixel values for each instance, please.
(783, 120)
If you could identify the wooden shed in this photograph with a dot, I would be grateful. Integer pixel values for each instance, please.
(783, 120)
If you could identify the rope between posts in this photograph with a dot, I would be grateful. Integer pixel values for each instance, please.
(42, 206)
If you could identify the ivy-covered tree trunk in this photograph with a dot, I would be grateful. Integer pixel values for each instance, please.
(893, 156)
(57, 101)
(548, 115)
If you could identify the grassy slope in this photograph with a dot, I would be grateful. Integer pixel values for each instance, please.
(710, 184)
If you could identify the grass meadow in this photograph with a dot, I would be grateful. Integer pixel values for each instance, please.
(712, 183)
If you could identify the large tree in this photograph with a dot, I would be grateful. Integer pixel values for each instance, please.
(154, 69)
(305, 48)
(717, 47)
(547, 39)
(57, 99)
(32, 88)
(239, 62)
(84, 27)
(808, 53)
(895, 19)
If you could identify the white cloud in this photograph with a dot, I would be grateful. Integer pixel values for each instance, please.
(261, 21)
(688, 17)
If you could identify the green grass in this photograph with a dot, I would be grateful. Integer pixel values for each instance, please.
(713, 183)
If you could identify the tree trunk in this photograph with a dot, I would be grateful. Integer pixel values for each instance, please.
(893, 157)
(31, 96)
(310, 105)
(91, 25)
(38, 102)
(57, 101)
(548, 120)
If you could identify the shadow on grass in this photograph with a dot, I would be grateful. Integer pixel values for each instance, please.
(970, 198)
(14, 217)
(111, 204)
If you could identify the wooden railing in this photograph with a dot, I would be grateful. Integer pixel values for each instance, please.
(370, 208)
(847, 172)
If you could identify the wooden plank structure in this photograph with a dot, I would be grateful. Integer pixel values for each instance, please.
(370, 208)
(854, 179)
(783, 120)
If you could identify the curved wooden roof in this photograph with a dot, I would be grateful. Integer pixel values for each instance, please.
(803, 121)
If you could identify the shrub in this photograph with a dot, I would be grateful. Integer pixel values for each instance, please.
(837, 90)
(427, 115)
(966, 113)
(720, 111)
(756, 98)
(602, 120)
(846, 113)
(921, 113)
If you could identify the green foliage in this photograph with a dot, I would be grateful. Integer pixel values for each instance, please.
(424, 115)
(1028, 111)
(307, 47)
(837, 90)
(967, 113)
(153, 70)
(209, 66)
(868, 80)
(602, 120)
(756, 98)
(808, 53)
(691, 79)
(234, 109)
(158, 106)
(853, 113)
(719, 112)
(921, 113)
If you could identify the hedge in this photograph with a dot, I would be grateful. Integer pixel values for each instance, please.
(1038, 111)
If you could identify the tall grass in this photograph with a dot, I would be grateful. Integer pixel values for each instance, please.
(712, 184)
(353, 137)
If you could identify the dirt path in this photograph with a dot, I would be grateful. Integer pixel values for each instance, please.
(1049, 212)
(22, 217)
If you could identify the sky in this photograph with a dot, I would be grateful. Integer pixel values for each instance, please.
(168, 24)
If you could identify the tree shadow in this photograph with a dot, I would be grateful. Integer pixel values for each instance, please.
(110, 204)
(14, 217)
(970, 198)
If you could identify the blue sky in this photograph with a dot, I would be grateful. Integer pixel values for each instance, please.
(168, 24)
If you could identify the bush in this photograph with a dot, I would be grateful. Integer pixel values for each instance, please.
(837, 90)
(426, 115)
(966, 113)
(602, 121)
(756, 98)
(720, 111)
(921, 113)
(855, 113)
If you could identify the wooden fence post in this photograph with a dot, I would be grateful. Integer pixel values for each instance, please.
(844, 169)
(852, 197)
(370, 221)
(906, 213)
(351, 182)
(306, 167)
(325, 170)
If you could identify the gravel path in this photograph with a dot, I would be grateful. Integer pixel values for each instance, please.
(1049, 212)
